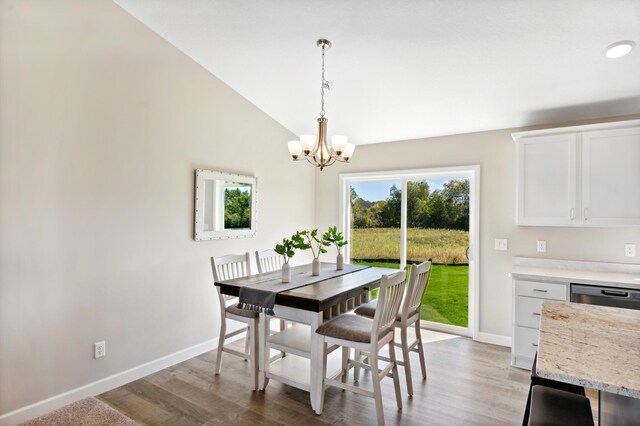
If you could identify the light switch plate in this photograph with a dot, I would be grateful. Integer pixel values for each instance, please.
(630, 250)
(502, 244)
(542, 246)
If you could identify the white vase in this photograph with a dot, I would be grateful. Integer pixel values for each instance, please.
(286, 273)
(316, 267)
(340, 262)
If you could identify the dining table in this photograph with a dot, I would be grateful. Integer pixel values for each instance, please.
(307, 301)
(596, 347)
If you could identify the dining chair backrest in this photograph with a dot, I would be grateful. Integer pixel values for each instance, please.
(268, 261)
(418, 282)
(389, 299)
(230, 266)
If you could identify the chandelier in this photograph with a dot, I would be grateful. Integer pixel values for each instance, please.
(316, 150)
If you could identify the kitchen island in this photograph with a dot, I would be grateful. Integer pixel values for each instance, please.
(597, 347)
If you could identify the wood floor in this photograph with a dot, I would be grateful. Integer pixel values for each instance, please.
(468, 383)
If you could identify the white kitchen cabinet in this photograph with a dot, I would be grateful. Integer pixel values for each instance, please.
(547, 180)
(528, 296)
(579, 176)
(611, 176)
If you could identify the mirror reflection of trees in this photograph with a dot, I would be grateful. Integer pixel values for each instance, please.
(446, 208)
(237, 208)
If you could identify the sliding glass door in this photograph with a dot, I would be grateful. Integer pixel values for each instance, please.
(396, 219)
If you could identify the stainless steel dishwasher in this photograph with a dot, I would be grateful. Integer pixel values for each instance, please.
(613, 409)
(605, 296)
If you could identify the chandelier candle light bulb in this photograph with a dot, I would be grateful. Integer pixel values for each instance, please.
(316, 150)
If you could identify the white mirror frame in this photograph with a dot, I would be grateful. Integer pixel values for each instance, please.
(200, 234)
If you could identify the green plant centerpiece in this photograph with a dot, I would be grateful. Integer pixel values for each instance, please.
(332, 236)
(310, 240)
(287, 249)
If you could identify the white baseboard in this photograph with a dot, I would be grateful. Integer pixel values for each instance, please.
(103, 385)
(494, 339)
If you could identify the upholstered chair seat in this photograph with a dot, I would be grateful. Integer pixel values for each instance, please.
(349, 327)
(369, 310)
(234, 310)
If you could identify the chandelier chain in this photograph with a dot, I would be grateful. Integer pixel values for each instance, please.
(325, 85)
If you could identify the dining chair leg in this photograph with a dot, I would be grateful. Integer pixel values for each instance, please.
(377, 392)
(406, 359)
(223, 331)
(252, 335)
(263, 353)
(423, 364)
(346, 351)
(320, 399)
(247, 343)
(356, 369)
(394, 371)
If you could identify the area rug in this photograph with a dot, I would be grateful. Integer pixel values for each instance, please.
(86, 412)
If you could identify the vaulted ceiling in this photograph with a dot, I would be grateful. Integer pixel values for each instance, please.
(413, 68)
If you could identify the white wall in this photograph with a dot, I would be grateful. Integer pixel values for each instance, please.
(494, 151)
(102, 124)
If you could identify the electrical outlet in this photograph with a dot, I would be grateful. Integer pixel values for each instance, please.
(542, 246)
(99, 349)
(501, 244)
(630, 250)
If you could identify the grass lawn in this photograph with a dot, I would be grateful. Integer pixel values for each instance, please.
(446, 299)
(444, 246)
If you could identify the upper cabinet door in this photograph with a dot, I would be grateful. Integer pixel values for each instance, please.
(611, 177)
(547, 180)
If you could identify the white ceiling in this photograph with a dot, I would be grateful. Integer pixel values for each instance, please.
(411, 69)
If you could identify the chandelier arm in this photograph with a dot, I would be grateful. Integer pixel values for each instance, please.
(311, 159)
(330, 162)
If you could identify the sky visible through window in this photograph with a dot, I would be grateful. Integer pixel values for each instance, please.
(377, 191)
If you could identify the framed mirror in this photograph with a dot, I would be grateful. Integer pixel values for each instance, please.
(226, 205)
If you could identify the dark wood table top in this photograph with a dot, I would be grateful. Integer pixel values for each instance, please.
(318, 296)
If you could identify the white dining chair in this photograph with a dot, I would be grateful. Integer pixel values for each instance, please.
(270, 261)
(409, 315)
(370, 336)
(225, 268)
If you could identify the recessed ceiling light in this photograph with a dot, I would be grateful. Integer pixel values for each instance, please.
(619, 49)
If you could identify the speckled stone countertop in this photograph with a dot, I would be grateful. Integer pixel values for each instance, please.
(569, 271)
(593, 346)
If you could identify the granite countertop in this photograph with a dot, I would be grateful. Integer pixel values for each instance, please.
(566, 271)
(593, 346)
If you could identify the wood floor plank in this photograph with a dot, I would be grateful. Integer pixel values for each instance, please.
(469, 383)
(140, 410)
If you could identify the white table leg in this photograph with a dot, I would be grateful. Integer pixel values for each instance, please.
(263, 324)
(317, 364)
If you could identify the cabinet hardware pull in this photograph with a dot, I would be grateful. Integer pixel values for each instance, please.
(540, 291)
(572, 214)
(586, 213)
(536, 314)
(534, 344)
